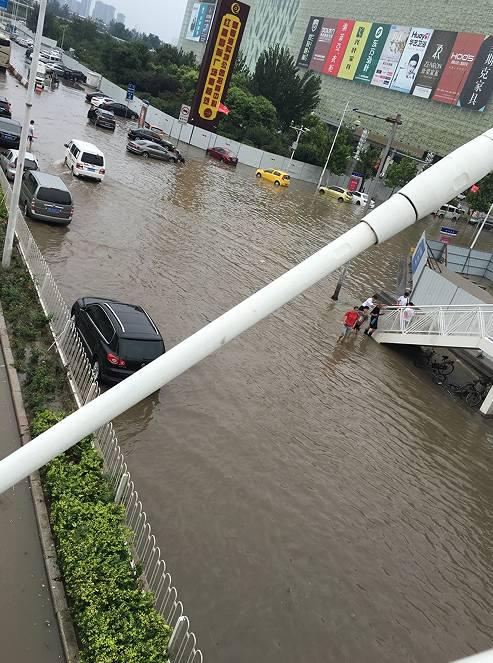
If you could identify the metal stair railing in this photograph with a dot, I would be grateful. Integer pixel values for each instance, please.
(448, 321)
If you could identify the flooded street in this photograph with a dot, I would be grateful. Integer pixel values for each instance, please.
(314, 502)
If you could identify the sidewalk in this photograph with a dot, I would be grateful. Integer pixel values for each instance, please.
(28, 626)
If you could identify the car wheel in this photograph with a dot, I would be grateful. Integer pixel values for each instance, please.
(145, 155)
(321, 192)
(259, 175)
(96, 369)
(277, 183)
(341, 200)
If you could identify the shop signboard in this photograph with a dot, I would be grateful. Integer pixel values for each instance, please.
(458, 67)
(337, 50)
(309, 41)
(411, 59)
(371, 53)
(323, 44)
(354, 50)
(433, 63)
(479, 85)
(391, 55)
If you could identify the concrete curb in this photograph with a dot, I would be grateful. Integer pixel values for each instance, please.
(17, 75)
(65, 624)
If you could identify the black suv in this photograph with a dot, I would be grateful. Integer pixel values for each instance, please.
(5, 108)
(102, 118)
(119, 338)
(119, 109)
(10, 133)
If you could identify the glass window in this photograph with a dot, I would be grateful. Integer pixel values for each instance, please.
(74, 150)
(139, 350)
(52, 195)
(102, 322)
(5, 42)
(276, 172)
(92, 159)
(9, 128)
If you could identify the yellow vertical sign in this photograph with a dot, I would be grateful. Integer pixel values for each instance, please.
(354, 50)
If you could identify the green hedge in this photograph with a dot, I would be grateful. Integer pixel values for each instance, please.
(114, 618)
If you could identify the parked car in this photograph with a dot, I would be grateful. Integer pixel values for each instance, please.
(85, 160)
(46, 198)
(56, 68)
(118, 338)
(145, 134)
(360, 198)
(8, 161)
(22, 42)
(74, 75)
(222, 154)
(102, 118)
(147, 148)
(10, 133)
(342, 195)
(279, 177)
(448, 212)
(120, 109)
(157, 130)
(94, 95)
(98, 101)
(5, 108)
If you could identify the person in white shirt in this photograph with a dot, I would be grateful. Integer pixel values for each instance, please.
(404, 299)
(407, 315)
(30, 135)
(370, 303)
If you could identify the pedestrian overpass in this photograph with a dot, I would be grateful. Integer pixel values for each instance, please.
(441, 326)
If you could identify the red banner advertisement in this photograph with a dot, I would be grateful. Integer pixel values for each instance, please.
(323, 44)
(338, 47)
(458, 67)
(479, 85)
(218, 63)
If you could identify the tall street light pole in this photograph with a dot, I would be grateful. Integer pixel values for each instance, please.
(324, 169)
(395, 121)
(14, 201)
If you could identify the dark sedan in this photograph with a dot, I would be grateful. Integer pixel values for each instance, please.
(102, 118)
(145, 134)
(222, 154)
(120, 109)
(94, 95)
(146, 149)
(10, 133)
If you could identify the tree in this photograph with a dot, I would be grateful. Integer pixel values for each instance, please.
(367, 162)
(276, 78)
(482, 199)
(399, 174)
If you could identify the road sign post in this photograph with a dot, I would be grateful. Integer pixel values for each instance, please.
(183, 119)
(130, 91)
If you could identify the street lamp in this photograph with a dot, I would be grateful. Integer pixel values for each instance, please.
(324, 169)
(301, 132)
(395, 121)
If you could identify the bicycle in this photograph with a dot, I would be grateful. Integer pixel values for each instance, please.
(478, 393)
(442, 367)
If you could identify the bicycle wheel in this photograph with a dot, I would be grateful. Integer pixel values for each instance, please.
(446, 368)
(439, 378)
(474, 398)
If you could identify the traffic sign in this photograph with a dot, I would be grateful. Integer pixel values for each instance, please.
(184, 114)
(452, 232)
(130, 91)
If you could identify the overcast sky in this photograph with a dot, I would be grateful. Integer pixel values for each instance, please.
(161, 17)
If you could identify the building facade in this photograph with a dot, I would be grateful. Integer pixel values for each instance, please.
(270, 22)
(121, 18)
(103, 12)
(427, 124)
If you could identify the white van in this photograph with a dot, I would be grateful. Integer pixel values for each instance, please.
(85, 160)
(449, 212)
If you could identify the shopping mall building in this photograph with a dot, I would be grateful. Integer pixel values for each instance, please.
(432, 62)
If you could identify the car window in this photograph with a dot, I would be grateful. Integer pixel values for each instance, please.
(100, 319)
(74, 149)
(276, 172)
(29, 164)
(53, 195)
(9, 128)
(139, 350)
(268, 171)
(286, 177)
(93, 159)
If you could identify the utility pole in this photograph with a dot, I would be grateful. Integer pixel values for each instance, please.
(301, 131)
(14, 201)
(395, 121)
(324, 169)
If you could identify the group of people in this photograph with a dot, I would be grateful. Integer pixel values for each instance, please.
(369, 312)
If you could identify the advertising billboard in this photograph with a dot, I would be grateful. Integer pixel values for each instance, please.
(433, 63)
(411, 59)
(218, 62)
(479, 85)
(391, 55)
(354, 50)
(372, 52)
(337, 49)
(323, 44)
(458, 67)
(200, 21)
(309, 41)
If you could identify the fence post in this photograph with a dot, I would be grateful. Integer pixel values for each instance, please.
(121, 487)
(179, 633)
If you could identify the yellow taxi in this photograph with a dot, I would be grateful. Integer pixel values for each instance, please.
(279, 177)
(342, 195)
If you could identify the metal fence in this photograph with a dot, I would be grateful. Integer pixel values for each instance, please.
(183, 643)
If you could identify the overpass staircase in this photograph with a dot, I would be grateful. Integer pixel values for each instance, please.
(440, 326)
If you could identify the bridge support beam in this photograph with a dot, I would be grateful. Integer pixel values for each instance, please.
(487, 406)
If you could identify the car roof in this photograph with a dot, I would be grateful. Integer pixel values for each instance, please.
(105, 112)
(13, 123)
(49, 180)
(132, 321)
(86, 147)
(29, 155)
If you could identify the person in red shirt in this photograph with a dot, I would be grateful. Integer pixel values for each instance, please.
(349, 320)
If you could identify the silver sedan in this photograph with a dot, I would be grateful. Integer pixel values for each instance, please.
(147, 148)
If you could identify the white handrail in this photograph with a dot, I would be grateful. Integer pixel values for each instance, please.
(448, 321)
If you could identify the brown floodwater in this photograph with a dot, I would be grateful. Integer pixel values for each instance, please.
(314, 502)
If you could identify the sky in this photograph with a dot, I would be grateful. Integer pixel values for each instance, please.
(161, 17)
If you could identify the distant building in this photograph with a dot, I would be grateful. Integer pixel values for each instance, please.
(74, 6)
(120, 18)
(85, 8)
(103, 12)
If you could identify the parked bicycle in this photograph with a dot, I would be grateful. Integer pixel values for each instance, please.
(440, 367)
(473, 392)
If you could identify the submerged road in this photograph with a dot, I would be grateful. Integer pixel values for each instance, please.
(315, 502)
